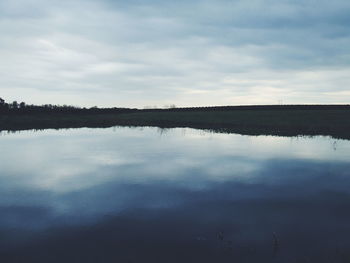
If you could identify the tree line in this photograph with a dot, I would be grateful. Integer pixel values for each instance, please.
(22, 107)
(19, 108)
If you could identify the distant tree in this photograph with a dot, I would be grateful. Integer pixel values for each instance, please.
(14, 105)
(2, 105)
(22, 105)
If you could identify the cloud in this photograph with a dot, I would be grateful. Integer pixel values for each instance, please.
(117, 53)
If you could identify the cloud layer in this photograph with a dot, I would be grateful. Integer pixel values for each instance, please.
(137, 53)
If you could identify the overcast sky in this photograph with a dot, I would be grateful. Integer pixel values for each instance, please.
(185, 52)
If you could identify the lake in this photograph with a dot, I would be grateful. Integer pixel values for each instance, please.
(172, 195)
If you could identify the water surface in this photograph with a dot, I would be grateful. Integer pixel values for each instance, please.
(176, 195)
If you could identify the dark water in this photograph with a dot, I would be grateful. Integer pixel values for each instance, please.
(179, 195)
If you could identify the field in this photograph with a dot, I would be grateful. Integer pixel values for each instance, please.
(286, 121)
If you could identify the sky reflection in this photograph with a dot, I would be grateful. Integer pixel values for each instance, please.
(249, 186)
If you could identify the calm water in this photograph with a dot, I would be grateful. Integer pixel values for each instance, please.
(178, 195)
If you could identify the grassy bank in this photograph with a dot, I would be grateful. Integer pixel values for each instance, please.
(287, 121)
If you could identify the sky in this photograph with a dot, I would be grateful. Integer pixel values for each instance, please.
(162, 52)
